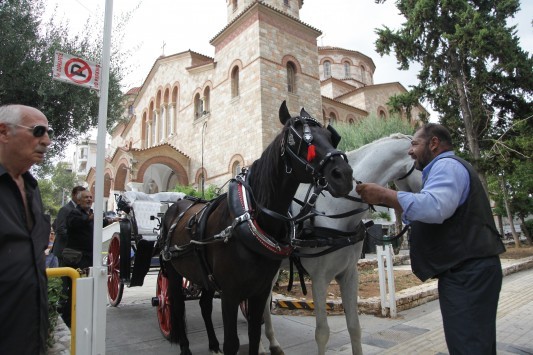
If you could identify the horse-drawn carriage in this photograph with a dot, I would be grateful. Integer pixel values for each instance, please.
(134, 251)
(248, 231)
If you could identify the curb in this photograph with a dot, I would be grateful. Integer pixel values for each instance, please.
(405, 299)
(308, 305)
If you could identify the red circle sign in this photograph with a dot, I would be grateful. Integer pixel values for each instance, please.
(78, 71)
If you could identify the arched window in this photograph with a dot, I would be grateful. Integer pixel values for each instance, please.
(198, 106)
(153, 128)
(291, 77)
(363, 74)
(327, 69)
(146, 130)
(207, 101)
(286, 2)
(332, 118)
(346, 69)
(235, 5)
(236, 168)
(235, 82)
(382, 114)
(161, 124)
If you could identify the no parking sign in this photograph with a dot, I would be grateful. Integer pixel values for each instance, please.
(75, 70)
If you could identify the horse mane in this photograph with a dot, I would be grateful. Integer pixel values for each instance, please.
(266, 170)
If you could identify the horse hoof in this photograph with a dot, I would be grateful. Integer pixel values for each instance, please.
(276, 351)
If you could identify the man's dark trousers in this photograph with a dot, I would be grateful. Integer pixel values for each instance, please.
(468, 296)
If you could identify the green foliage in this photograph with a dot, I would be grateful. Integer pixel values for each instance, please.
(529, 226)
(56, 184)
(510, 159)
(370, 129)
(405, 102)
(381, 215)
(473, 70)
(55, 296)
(210, 193)
(28, 45)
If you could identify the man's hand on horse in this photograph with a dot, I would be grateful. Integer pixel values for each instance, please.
(375, 194)
(370, 193)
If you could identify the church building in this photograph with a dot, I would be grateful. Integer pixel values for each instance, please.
(198, 120)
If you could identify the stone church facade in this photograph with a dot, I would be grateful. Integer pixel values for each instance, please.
(197, 120)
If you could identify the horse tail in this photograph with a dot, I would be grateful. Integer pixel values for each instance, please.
(176, 298)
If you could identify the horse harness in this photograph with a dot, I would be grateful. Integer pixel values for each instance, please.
(241, 205)
(314, 237)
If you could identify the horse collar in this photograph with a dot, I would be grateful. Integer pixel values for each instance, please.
(245, 226)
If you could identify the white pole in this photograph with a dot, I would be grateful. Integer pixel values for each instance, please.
(99, 272)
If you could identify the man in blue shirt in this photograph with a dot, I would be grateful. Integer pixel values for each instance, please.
(453, 239)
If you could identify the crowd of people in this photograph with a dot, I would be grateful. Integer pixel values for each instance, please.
(453, 236)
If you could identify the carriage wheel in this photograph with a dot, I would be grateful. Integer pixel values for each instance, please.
(163, 305)
(115, 286)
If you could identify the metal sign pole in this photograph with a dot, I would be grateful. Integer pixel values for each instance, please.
(99, 272)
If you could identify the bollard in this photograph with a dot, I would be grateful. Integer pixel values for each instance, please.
(73, 274)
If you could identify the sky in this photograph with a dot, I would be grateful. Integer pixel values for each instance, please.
(173, 26)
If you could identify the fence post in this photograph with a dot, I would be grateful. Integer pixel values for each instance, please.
(386, 278)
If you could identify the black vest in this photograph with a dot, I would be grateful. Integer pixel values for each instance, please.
(469, 233)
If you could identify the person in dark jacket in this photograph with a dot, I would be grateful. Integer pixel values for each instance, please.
(24, 233)
(60, 224)
(80, 226)
(60, 228)
(80, 229)
(453, 239)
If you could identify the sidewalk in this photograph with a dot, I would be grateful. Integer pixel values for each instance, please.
(405, 299)
(419, 330)
(132, 328)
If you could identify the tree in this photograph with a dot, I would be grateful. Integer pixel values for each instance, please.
(405, 102)
(28, 46)
(473, 69)
(56, 189)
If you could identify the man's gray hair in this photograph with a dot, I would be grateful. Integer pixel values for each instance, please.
(10, 114)
(78, 195)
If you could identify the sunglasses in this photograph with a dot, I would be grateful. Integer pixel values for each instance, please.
(38, 130)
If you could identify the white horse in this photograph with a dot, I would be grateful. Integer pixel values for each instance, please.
(382, 161)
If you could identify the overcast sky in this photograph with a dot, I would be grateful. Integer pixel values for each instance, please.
(184, 25)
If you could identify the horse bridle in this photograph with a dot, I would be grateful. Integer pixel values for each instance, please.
(312, 213)
(293, 140)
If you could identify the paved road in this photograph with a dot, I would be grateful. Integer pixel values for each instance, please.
(132, 327)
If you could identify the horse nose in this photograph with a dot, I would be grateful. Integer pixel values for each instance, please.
(342, 173)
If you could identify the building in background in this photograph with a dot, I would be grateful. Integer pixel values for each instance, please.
(198, 120)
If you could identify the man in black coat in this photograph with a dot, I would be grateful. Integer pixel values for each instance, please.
(80, 227)
(60, 224)
(24, 232)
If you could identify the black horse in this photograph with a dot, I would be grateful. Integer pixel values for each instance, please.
(235, 243)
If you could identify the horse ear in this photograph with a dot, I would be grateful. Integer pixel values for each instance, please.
(335, 136)
(284, 114)
(303, 113)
